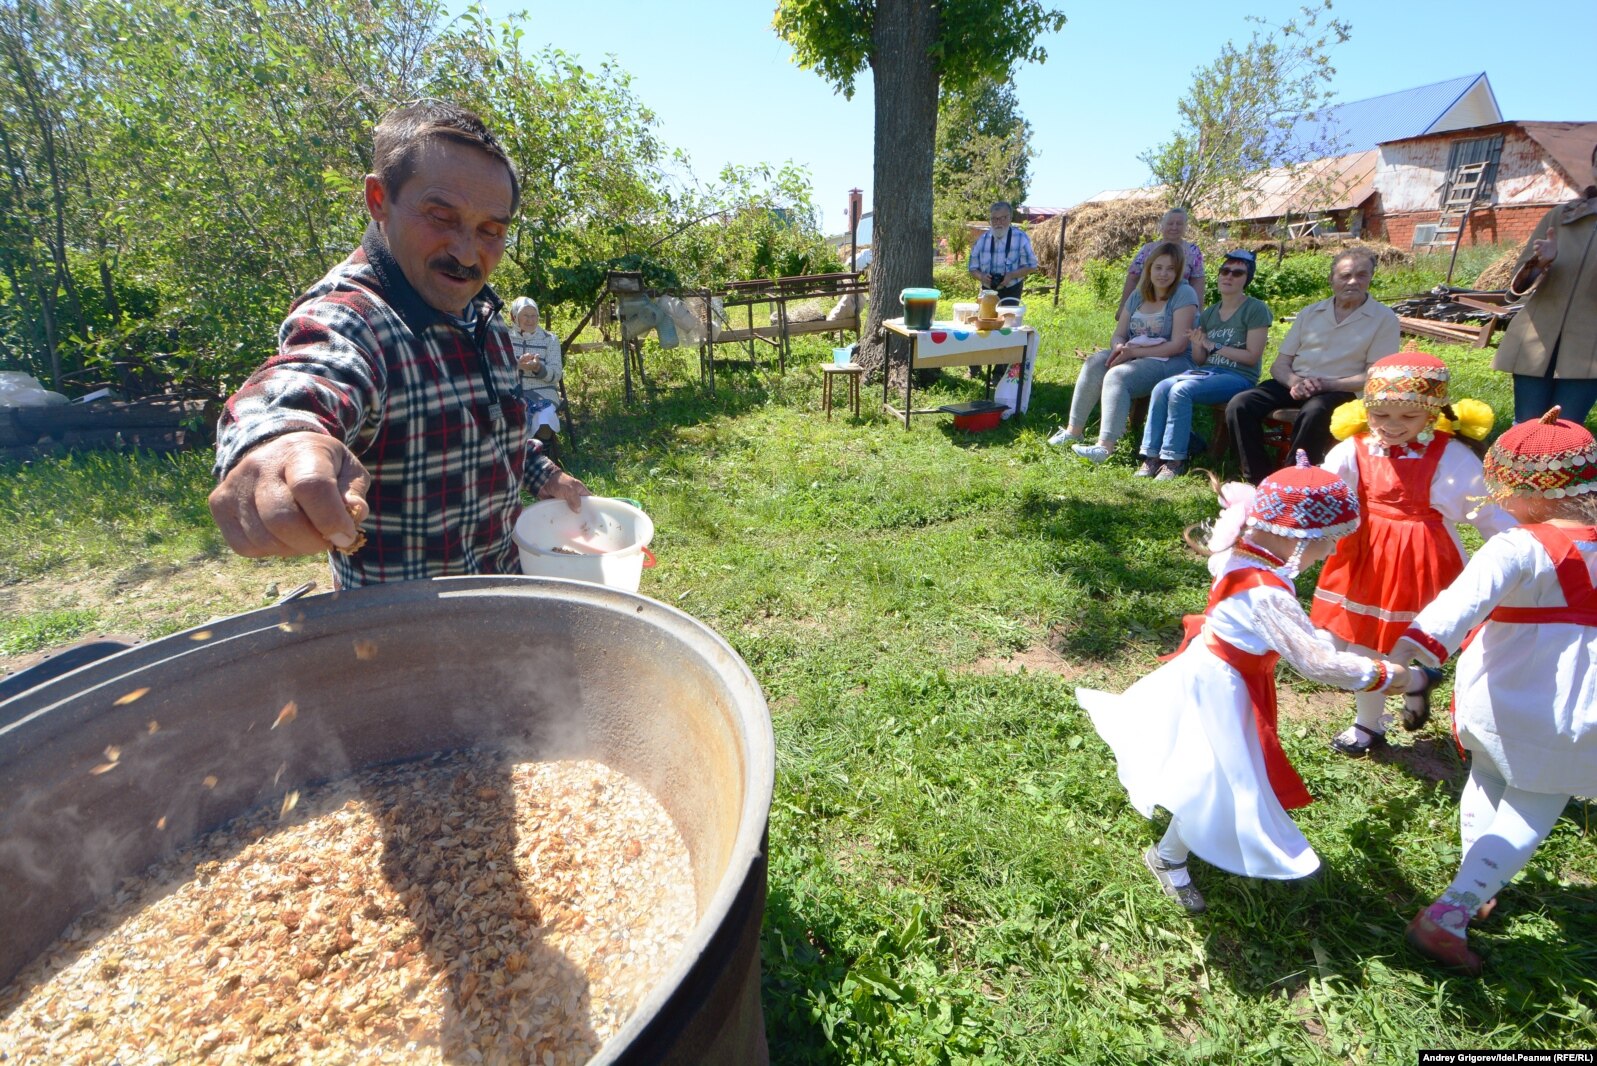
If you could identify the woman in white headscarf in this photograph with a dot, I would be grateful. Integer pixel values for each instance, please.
(538, 355)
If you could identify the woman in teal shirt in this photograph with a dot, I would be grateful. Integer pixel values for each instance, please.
(1227, 347)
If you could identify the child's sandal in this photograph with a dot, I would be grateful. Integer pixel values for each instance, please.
(1187, 895)
(1417, 705)
(1357, 740)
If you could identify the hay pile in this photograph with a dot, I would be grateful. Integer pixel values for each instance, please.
(1106, 231)
(1495, 278)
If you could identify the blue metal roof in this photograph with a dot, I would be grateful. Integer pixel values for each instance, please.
(1360, 125)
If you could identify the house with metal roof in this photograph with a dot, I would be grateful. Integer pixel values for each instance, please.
(1339, 145)
(1360, 125)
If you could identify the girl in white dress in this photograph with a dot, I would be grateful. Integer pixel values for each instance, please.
(1198, 736)
(1525, 696)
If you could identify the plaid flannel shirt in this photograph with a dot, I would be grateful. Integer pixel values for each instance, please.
(362, 358)
(990, 257)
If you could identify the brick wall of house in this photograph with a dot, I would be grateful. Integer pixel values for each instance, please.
(1500, 224)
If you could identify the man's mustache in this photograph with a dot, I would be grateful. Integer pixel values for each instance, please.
(448, 264)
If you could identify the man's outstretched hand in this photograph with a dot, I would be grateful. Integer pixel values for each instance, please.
(297, 494)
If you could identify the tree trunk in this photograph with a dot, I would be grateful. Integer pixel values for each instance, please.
(905, 77)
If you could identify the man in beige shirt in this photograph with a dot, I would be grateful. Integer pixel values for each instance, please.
(1320, 366)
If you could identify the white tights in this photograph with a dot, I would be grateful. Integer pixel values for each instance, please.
(1172, 849)
(1369, 707)
(1500, 828)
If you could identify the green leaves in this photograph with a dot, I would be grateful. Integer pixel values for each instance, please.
(1240, 115)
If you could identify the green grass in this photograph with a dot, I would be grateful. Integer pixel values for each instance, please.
(35, 632)
(955, 872)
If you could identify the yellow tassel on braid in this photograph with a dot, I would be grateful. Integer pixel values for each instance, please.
(1475, 420)
(1349, 420)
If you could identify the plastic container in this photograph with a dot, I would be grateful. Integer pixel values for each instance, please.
(606, 543)
(979, 422)
(553, 668)
(1012, 310)
(965, 313)
(920, 307)
(842, 356)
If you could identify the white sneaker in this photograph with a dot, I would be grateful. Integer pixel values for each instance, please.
(1093, 453)
(1064, 436)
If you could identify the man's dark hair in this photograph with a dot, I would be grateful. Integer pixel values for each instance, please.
(401, 133)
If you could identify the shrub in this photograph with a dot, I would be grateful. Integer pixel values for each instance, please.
(954, 281)
(1104, 278)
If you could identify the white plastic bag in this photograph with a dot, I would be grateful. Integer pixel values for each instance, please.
(638, 316)
(23, 390)
(1007, 391)
(689, 326)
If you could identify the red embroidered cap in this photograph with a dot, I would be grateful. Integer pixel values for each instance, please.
(1304, 502)
(1552, 458)
(1407, 379)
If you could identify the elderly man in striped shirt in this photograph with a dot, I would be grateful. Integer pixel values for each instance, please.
(389, 426)
(1002, 257)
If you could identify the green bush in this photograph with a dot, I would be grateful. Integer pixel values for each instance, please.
(1296, 282)
(954, 281)
(1105, 278)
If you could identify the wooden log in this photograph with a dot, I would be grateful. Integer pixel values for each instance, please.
(1440, 331)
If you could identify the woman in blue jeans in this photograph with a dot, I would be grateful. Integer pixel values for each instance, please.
(1150, 344)
(1227, 346)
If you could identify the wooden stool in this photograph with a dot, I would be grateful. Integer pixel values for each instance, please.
(1279, 425)
(855, 374)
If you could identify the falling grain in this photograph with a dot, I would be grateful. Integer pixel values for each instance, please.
(289, 712)
(123, 701)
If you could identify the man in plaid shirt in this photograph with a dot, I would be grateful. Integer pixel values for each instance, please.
(1002, 257)
(390, 423)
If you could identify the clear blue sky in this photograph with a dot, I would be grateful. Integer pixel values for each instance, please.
(725, 89)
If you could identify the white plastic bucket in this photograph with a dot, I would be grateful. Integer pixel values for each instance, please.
(1011, 308)
(605, 543)
(965, 313)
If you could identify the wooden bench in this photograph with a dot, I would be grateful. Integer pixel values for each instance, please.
(781, 292)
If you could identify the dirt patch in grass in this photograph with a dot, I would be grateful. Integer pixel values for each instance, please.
(1430, 757)
(149, 600)
(1037, 659)
(1314, 708)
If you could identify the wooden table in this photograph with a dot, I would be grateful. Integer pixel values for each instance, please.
(947, 344)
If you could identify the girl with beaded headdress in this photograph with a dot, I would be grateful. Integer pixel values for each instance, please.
(1401, 451)
(1523, 616)
(1198, 736)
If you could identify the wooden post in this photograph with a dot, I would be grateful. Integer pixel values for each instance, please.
(856, 202)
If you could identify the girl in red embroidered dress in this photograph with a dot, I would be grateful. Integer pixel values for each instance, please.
(1415, 481)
